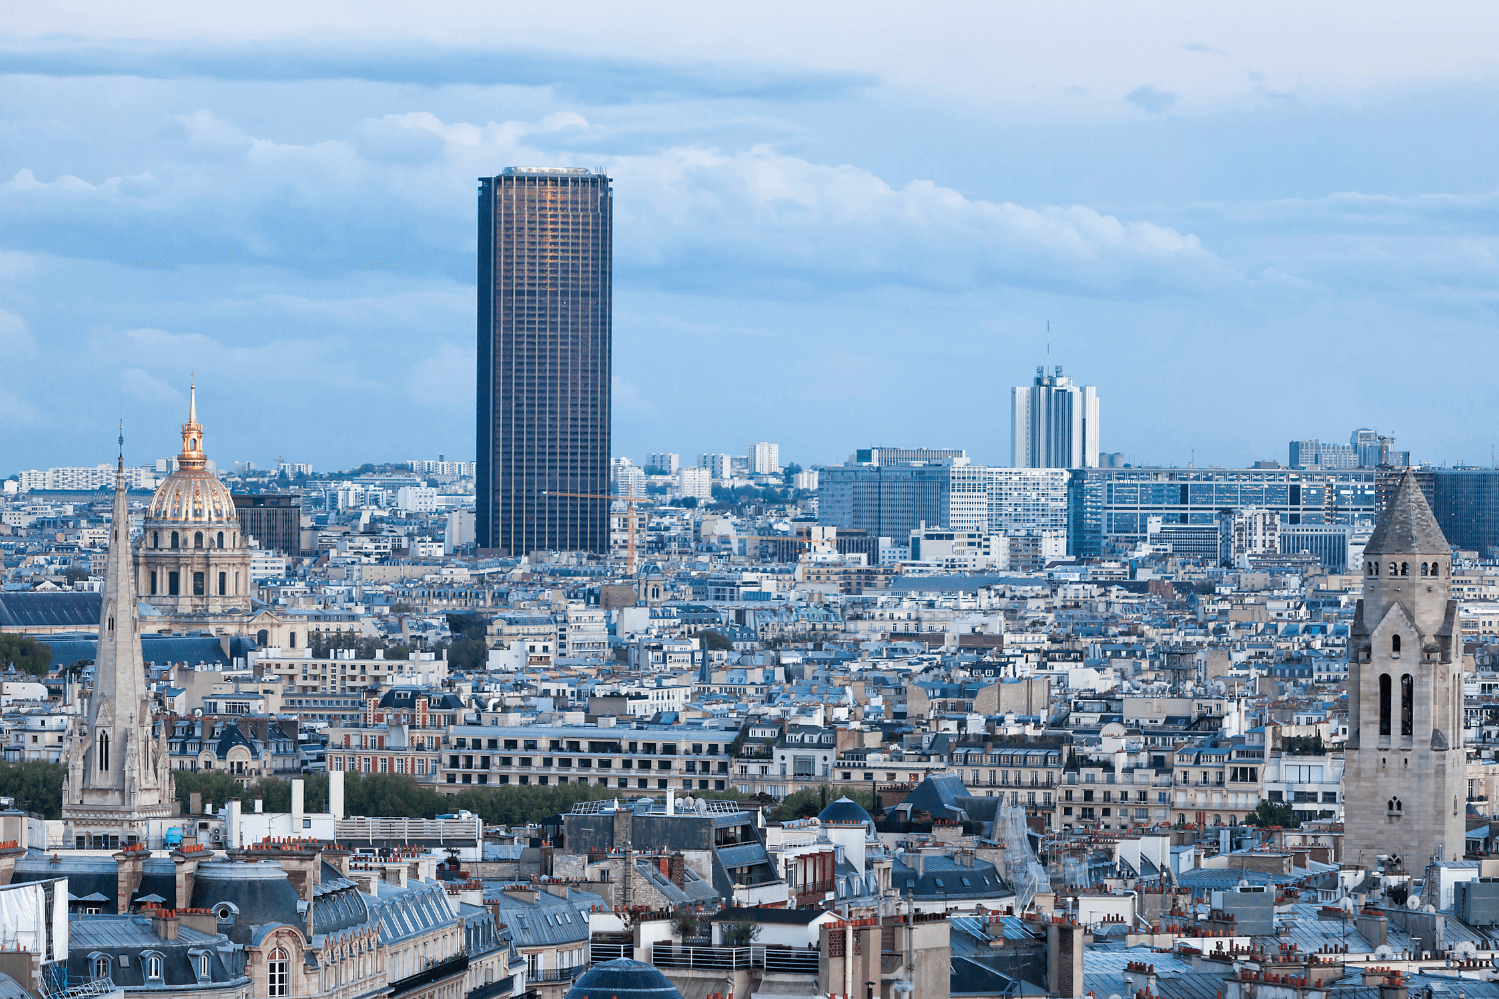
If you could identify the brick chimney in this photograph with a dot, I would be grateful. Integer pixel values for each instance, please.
(1393, 987)
(164, 922)
(677, 869)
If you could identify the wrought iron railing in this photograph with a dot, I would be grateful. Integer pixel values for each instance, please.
(782, 960)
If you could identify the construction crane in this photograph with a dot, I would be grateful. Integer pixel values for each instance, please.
(630, 503)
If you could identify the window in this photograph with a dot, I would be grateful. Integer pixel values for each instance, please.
(221, 539)
(223, 583)
(103, 752)
(205, 967)
(197, 584)
(1407, 705)
(153, 582)
(153, 966)
(1395, 645)
(175, 543)
(1384, 700)
(198, 539)
(276, 973)
(173, 582)
(101, 968)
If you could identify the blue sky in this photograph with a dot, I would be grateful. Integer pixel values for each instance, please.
(831, 231)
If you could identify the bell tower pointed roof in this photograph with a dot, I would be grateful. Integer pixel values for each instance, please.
(1407, 525)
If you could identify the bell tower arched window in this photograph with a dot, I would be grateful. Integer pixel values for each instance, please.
(275, 971)
(103, 752)
(221, 539)
(1395, 644)
(174, 540)
(1407, 705)
(1384, 704)
(198, 539)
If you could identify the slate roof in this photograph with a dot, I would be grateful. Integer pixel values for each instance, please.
(1407, 525)
(694, 889)
(760, 914)
(938, 796)
(419, 908)
(62, 609)
(129, 937)
(943, 877)
(547, 921)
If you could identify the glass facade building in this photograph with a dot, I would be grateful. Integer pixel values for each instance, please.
(545, 296)
(1111, 508)
(1466, 504)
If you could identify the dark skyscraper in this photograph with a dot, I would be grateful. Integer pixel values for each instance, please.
(545, 292)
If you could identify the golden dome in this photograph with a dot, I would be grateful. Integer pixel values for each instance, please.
(192, 494)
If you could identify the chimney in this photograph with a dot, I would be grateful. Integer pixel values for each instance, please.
(296, 807)
(259, 806)
(917, 862)
(677, 869)
(336, 793)
(1393, 987)
(130, 865)
(164, 921)
(671, 802)
(366, 881)
(195, 803)
(231, 824)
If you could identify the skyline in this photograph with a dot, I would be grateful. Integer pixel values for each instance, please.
(1296, 239)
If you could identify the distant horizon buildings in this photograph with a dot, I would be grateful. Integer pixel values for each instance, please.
(544, 360)
(1365, 449)
(1053, 423)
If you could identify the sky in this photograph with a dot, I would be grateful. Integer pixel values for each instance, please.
(836, 225)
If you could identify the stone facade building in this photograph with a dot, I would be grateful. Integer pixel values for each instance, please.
(1404, 779)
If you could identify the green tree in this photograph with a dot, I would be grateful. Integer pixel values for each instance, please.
(465, 654)
(715, 640)
(1273, 813)
(810, 801)
(789, 472)
(36, 786)
(740, 932)
(685, 920)
(25, 653)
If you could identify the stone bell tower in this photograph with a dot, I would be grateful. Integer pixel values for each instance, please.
(1405, 778)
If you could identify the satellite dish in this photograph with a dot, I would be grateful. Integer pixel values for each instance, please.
(1413, 903)
(1431, 908)
(1347, 905)
(1383, 952)
(1243, 883)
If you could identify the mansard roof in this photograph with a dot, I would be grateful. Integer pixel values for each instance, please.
(1407, 525)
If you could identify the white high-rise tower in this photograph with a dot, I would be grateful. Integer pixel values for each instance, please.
(1053, 423)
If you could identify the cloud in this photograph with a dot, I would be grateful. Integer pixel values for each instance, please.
(596, 80)
(1201, 48)
(446, 379)
(629, 400)
(1150, 100)
(138, 384)
(16, 340)
(16, 411)
(396, 195)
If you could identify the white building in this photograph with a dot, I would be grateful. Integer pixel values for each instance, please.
(719, 466)
(665, 462)
(1242, 533)
(1053, 423)
(805, 480)
(416, 499)
(1024, 500)
(695, 482)
(764, 458)
(627, 478)
(97, 477)
(459, 530)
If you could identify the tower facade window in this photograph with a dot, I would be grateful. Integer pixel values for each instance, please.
(153, 582)
(103, 752)
(1384, 704)
(155, 539)
(175, 540)
(197, 584)
(1395, 645)
(1405, 568)
(223, 583)
(221, 539)
(1407, 705)
(198, 539)
(173, 584)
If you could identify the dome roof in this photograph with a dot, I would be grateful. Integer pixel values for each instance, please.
(192, 494)
(623, 979)
(844, 810)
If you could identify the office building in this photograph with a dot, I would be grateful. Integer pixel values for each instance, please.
(892, 500)
(272, 519)
(696, 482)
(1053, 423)
(1110, 508)
(1315, 454)
(544, 335)
(764, 459)
(626, 478)
(908, 456)
(1339, 547)
(1466, 504)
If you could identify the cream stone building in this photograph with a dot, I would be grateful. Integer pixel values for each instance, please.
(193, 557)
(1405, 773)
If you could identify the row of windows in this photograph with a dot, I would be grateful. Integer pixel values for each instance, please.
(176, 540)
(1403, 568)
(174, 584)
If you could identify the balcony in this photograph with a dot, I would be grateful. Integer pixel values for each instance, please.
(774, 960)
(556, 974)
(456, 965)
